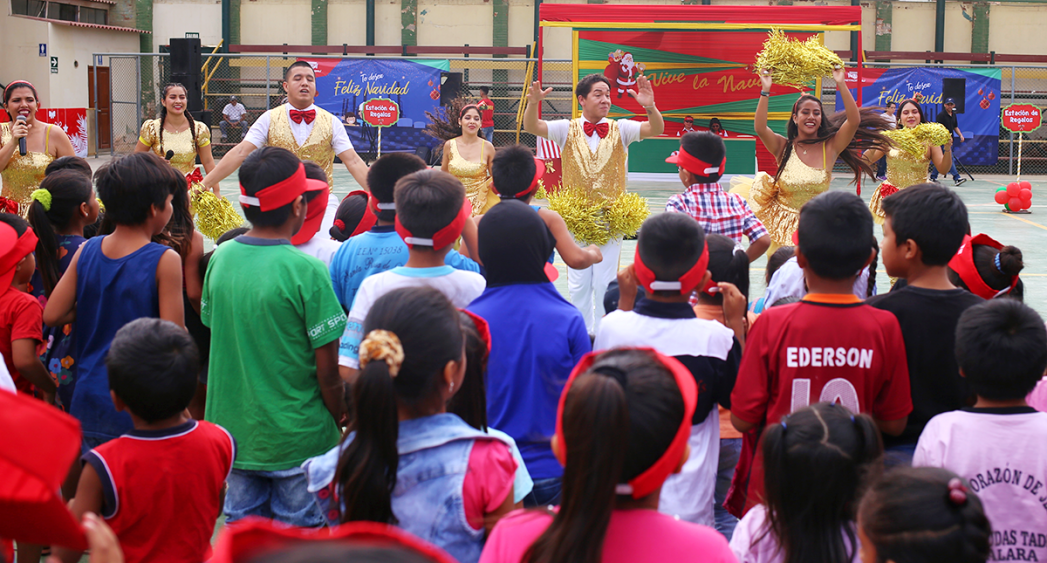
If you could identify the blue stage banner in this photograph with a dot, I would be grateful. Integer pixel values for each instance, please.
(342, 86)
(978, 114)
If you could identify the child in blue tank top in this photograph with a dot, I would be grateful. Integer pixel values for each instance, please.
(115, 279)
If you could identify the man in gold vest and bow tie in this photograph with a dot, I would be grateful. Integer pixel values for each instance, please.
(300, 127)
(593, 153)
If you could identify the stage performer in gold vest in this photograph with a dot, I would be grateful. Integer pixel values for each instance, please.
(593, 154)
(300, 127)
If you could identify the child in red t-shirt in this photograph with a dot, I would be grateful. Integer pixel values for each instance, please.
(160, 486)
(830, 347)
(21, 316)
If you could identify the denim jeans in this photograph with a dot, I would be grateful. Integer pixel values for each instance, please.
(278, 495)
(898, 456)
(730, 450)
(545, 492)
(952, 172)
(487, 133)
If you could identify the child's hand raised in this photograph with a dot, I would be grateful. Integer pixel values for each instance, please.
(734, 303)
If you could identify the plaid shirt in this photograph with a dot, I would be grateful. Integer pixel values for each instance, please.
(718, 212)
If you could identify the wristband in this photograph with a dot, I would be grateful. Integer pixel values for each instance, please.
(650, 107)
(765, 94)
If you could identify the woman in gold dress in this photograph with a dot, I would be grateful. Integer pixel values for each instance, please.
(22, 174)
(806, 157)
(468, 157)
(177, 132)
(905, 169)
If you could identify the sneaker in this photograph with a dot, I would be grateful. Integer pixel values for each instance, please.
(960, 181)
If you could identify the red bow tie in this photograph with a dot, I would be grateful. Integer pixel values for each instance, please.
(600, 128)
(298, 115)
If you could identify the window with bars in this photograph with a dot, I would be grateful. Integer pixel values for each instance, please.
(59, 11)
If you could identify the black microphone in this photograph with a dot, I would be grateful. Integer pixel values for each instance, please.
(169, 155)
(21, 142)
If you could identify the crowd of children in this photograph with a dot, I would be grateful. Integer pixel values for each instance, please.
(417, 386)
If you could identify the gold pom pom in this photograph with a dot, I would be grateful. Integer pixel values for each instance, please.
(916, 140)
(214, 215)
(627, 214)
(796, 63)
(597, 222)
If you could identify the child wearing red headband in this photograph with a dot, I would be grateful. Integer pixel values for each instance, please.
(622, 428)
(309, 239)
(21, 322)
(671, 262)
(431, 211)
(988, 269)
(701, 160)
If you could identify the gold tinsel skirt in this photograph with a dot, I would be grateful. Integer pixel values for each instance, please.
(876, 203)
(779, 219)
(595, 221)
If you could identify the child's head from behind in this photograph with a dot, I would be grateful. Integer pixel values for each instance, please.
(69, 163)
(513, 171)
(705, 152)
(428, 203)
(925, 223)
(470, 403)
(779, 257)
(628, 413)
(727, 263)
(816, 463)
(671, 247)
(267, 167)
(138, 189)
(65, 199)
(383, 175)
(352, 217)
(923, 515)
(835, 235)
(153, 365)
(988, 269)
(1001, 348)
(411, 361)
(17, 262)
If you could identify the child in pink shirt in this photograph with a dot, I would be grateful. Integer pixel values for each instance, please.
(997, 445)
(611, 486)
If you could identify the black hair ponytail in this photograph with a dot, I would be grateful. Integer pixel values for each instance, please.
(470, 402)
(68, 189)
(727, 263)
(351, 210)
(870, 286)
(998, 278)
(430, 335)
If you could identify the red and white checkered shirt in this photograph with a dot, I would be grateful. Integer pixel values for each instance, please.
(718, 212)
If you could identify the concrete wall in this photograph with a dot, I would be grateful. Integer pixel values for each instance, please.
(21, 38)
(173, 18)
(74, 46)
(347, 22)
(457, 22)
(273, 22)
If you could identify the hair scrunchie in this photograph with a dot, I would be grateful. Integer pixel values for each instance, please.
(382, 345)
(43, 196)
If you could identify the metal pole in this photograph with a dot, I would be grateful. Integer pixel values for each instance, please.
(138, 84)
(268, 100)
(939, 26)
(112, 143)
(1010, 145)
(370, 22)
(96, 59)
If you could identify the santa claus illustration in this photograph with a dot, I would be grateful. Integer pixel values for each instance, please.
(623, 70)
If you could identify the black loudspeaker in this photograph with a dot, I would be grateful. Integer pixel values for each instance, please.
(193, 89)
(450, 86)
(425, 153)
(185, 56)
(955, 88)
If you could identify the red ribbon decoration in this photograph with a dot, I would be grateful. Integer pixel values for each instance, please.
(887, 189)
(685, 285)
(8, 205)
(601, 129)
(192, 177)
(283, 192)
(444, 237)
(695, 165)
(963, 265)
(298, 116)
(653, 477)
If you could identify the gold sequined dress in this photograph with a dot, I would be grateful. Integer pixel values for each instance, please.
(903, 170)
(778, 205)
(23, 173)
(476, 178)
(181, 143)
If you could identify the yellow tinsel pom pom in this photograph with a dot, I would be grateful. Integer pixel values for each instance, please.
(916, 140)
(214, 215)
(597, 222)
(796, 63)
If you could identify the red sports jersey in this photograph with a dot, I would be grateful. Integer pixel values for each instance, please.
(162, 489)
(827, 348)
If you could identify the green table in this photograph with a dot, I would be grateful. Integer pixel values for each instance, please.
(648, 156)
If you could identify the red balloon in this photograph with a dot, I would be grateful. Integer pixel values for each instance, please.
(1013, 189)
(1015, 204)
(1025, 196)
(1025, 185)
(1001, 197)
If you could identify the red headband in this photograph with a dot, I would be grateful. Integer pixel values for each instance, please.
(466, 108)
(18, 247)
(283, 192)
(539, 171)
(685, 285)
(963, 265)
(692, 164)
(19, 83)
(377, 207)
(444, 237)
(653, 477)
(481, 327)
(252, 537)
(367, 221)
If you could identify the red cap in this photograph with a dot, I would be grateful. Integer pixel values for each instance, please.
(283, 192)
(694, 165)
(444, 237)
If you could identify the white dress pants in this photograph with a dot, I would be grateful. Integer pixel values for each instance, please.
(588, 286)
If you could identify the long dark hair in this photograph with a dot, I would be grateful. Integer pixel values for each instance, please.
(470, 402)
(163, 114)
(178, 234)
(428, 328)
(445, 123)
(816, 464)
(619, 418)
(911, 516)
(868, 136)
(68, 189)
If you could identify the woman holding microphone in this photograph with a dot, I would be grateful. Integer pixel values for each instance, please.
(27, 146)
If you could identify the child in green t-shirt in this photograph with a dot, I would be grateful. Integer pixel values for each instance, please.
(275, 322)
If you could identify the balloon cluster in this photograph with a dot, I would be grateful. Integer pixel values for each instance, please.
(1016, 196)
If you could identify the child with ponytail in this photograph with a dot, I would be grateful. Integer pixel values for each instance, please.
(622, 428)
(405, 460)
(816, 462)
(987, 268)
(59, 210)
(924, 515)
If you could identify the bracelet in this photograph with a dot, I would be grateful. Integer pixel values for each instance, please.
(650, 107)
(765, 94)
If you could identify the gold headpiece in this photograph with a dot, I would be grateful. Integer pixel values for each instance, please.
(384, 346)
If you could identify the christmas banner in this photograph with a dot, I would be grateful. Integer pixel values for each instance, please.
(343, 86)
(72, 120)
(977, 95)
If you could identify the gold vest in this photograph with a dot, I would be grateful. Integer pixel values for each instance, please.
(602, 173)
(317, 147)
